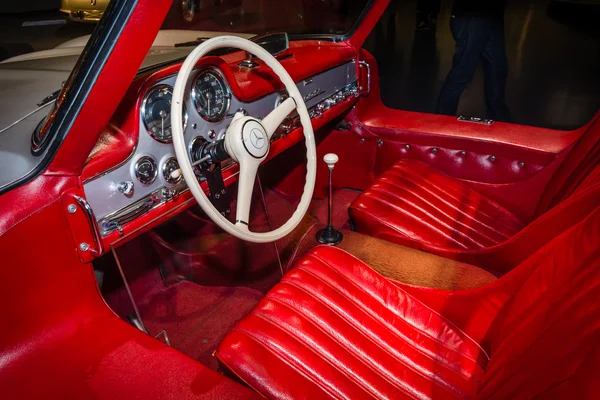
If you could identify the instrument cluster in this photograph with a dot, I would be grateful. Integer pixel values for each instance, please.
(210, 97)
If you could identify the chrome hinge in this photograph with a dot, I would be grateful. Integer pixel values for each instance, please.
(83, 226)
(368, 67)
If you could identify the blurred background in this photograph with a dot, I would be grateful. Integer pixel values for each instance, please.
(553, 48)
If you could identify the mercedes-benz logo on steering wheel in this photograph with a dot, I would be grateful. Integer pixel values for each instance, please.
(257, 138)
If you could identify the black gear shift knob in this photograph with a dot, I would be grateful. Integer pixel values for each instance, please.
(330, 235)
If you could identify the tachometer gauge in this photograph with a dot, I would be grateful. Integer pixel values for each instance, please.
(156, 113)
(146, 170)
(211, 96)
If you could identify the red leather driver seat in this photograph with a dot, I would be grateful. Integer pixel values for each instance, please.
(335, 328)
(415, 205)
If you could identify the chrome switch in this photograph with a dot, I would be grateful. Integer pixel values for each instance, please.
(125, 187)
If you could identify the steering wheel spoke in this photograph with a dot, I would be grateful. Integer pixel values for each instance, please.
(247, 177)
(272, 121)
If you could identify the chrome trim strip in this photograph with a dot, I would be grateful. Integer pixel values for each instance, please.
(170, 212)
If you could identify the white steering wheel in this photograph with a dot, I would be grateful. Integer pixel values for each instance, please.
(247, 141)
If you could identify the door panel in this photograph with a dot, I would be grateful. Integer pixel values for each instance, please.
(510, 163)
(463, 158)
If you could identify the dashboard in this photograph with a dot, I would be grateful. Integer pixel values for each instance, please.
(143, 181)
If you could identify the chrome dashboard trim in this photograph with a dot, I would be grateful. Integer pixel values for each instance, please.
(117, 219)
(101, 190)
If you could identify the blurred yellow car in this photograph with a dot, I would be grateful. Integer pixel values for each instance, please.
(84, 10)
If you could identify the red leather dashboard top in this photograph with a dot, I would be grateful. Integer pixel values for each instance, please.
(304, 59)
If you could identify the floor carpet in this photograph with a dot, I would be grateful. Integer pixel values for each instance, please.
(196, 318)
(194, 281)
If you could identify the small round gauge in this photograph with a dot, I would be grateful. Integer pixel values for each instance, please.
(156, 113)
(168, 167)
(146, 170)
(211, 96)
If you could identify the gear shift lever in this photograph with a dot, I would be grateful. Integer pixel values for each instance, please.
(330, 235)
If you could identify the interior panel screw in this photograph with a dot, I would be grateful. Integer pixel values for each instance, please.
(462, 153)
(407, 146)
(434, 150)
(492, 158)
(379, 142)
(72, 208)
(521, 164)
(84, 246)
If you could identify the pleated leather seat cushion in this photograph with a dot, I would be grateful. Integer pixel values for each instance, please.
(414, 205)
(333, 327)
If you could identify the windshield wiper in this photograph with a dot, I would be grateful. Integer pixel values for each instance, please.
(50, 98)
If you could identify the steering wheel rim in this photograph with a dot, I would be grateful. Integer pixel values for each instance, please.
(237, 143)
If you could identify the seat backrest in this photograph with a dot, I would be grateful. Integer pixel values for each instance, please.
(546, 331)
(582, 159)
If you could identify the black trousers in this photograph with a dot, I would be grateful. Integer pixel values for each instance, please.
(477, 38)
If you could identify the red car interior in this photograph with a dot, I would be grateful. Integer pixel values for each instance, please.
(335, 328)
(469, 268)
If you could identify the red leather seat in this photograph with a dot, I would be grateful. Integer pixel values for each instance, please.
(411, 202)
(414, 205)
(335, 328)
(332, 312)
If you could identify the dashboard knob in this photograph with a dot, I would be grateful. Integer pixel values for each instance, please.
(176, 174)
(125, 187)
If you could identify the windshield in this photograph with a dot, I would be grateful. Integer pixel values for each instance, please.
(296, 17)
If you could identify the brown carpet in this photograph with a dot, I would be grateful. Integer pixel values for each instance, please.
(412, 266)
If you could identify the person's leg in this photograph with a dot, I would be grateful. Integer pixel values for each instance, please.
(495, 66)
(470, 35)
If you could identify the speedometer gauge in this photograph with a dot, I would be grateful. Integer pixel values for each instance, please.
(211, 96)
(156, 113)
